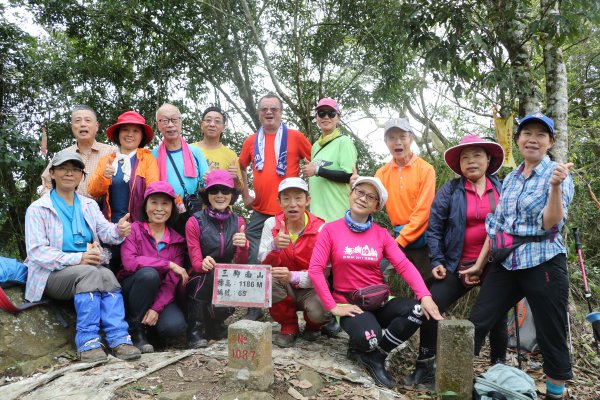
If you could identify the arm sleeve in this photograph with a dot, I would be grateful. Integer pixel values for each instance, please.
(245, 157)
(46, 180)
(132, 258)
(192, 238)
(151, 173)
(241, 253)
(267, 253)
(316, 270)
(202, 166)
(333, 175)
(440, 209)
(567, 195)
(99, 184)
(405, 268)
(420, 216)
(107, 231)
(38, 246)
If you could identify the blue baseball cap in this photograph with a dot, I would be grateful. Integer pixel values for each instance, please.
(539, 117)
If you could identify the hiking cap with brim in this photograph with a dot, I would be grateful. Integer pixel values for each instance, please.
(63, 156)
(328, 102)
(130, 117)
(376, 182)
(159, 187)
(219, 177)
(452, 155)
(539, 117)
(292, 183)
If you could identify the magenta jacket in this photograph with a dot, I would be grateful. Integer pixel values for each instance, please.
(139, 251)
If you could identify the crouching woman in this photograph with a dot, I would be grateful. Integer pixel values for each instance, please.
(62, 231)
(152, 269)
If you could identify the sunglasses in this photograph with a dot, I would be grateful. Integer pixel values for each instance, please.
(219, 189)
(331, 114)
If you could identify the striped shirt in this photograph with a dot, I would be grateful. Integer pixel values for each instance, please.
(90, 160)
(520, 212)
(44, 241)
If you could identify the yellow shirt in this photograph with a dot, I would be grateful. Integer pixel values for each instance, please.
(221, 158)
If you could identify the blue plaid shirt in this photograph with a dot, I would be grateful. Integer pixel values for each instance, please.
(520, 211)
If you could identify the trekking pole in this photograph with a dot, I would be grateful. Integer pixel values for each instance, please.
(517, 335)
(592, 317)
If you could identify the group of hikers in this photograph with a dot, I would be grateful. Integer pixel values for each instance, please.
(133, 235)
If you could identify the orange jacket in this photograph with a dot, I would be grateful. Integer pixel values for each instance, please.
(144, 172)
(411, 190)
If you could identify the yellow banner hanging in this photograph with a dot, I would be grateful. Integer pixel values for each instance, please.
(504, 129)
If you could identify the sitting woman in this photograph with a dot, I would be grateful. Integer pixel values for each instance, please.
(214, 235)
(121, 177)
(152, 257)
(355, 245)
(457, 240)
(62, 230)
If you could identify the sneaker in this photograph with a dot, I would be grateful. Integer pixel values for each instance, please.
(126, 352)
(253, 314)
(310, 336)
(93, 355)
(332, 328)
(284, 340)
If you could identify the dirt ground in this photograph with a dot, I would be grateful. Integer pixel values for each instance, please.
(202, 378)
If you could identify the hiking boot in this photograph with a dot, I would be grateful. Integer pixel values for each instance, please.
(310, 336)
(352, 354)
(93, 355)
(332, 328)
(423, 374)
(196, 324)
(253, 314)
(374, 363)
(138, 337)
(126, 352)
(216, 330)
(284, 340)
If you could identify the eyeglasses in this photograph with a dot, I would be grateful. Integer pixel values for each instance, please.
(210, 121)
(73, 170)
(166, 121)
(361, 193)
(331, 114)
(265, 110)
(219, 189)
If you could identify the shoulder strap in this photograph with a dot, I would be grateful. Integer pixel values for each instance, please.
(492, 198)
(177, 172)
(322, 147)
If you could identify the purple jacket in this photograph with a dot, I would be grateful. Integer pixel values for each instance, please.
(139, 251)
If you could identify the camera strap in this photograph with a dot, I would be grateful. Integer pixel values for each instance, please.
(185, 193)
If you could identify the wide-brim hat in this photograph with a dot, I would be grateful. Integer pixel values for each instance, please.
(130, 117)
(159, 187)
(63, 156)
(452, 155)
(376, 182)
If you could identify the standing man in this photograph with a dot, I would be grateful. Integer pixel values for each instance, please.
(84, 125)
(274, 152)
(178, 163)
(410, 182)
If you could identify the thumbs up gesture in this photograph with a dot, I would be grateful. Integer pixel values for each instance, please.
(282, 240)
(109, 171)
(233, 169)
(308, 169)
(124, 226)
(354, 176)
(239, 238)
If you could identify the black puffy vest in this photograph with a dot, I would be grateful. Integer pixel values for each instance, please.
(210, 236)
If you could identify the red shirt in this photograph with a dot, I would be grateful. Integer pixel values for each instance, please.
(266, 182)
(477, 210)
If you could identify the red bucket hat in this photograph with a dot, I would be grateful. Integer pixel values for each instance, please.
(130, 117)
(452, 155)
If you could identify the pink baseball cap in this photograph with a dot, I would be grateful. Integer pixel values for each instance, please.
(159, 187)
(219, 177)
(328, 102)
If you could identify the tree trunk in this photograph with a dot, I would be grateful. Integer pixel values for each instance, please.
(557, 99)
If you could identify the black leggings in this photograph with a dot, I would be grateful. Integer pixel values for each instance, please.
(399, 317)
(546, 288)
(445, 293)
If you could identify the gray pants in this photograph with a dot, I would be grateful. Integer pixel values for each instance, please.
(66, 283)
(253, 234)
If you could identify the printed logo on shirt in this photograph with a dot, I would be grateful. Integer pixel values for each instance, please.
(360, 253)
(212, 164)
(322, 163)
